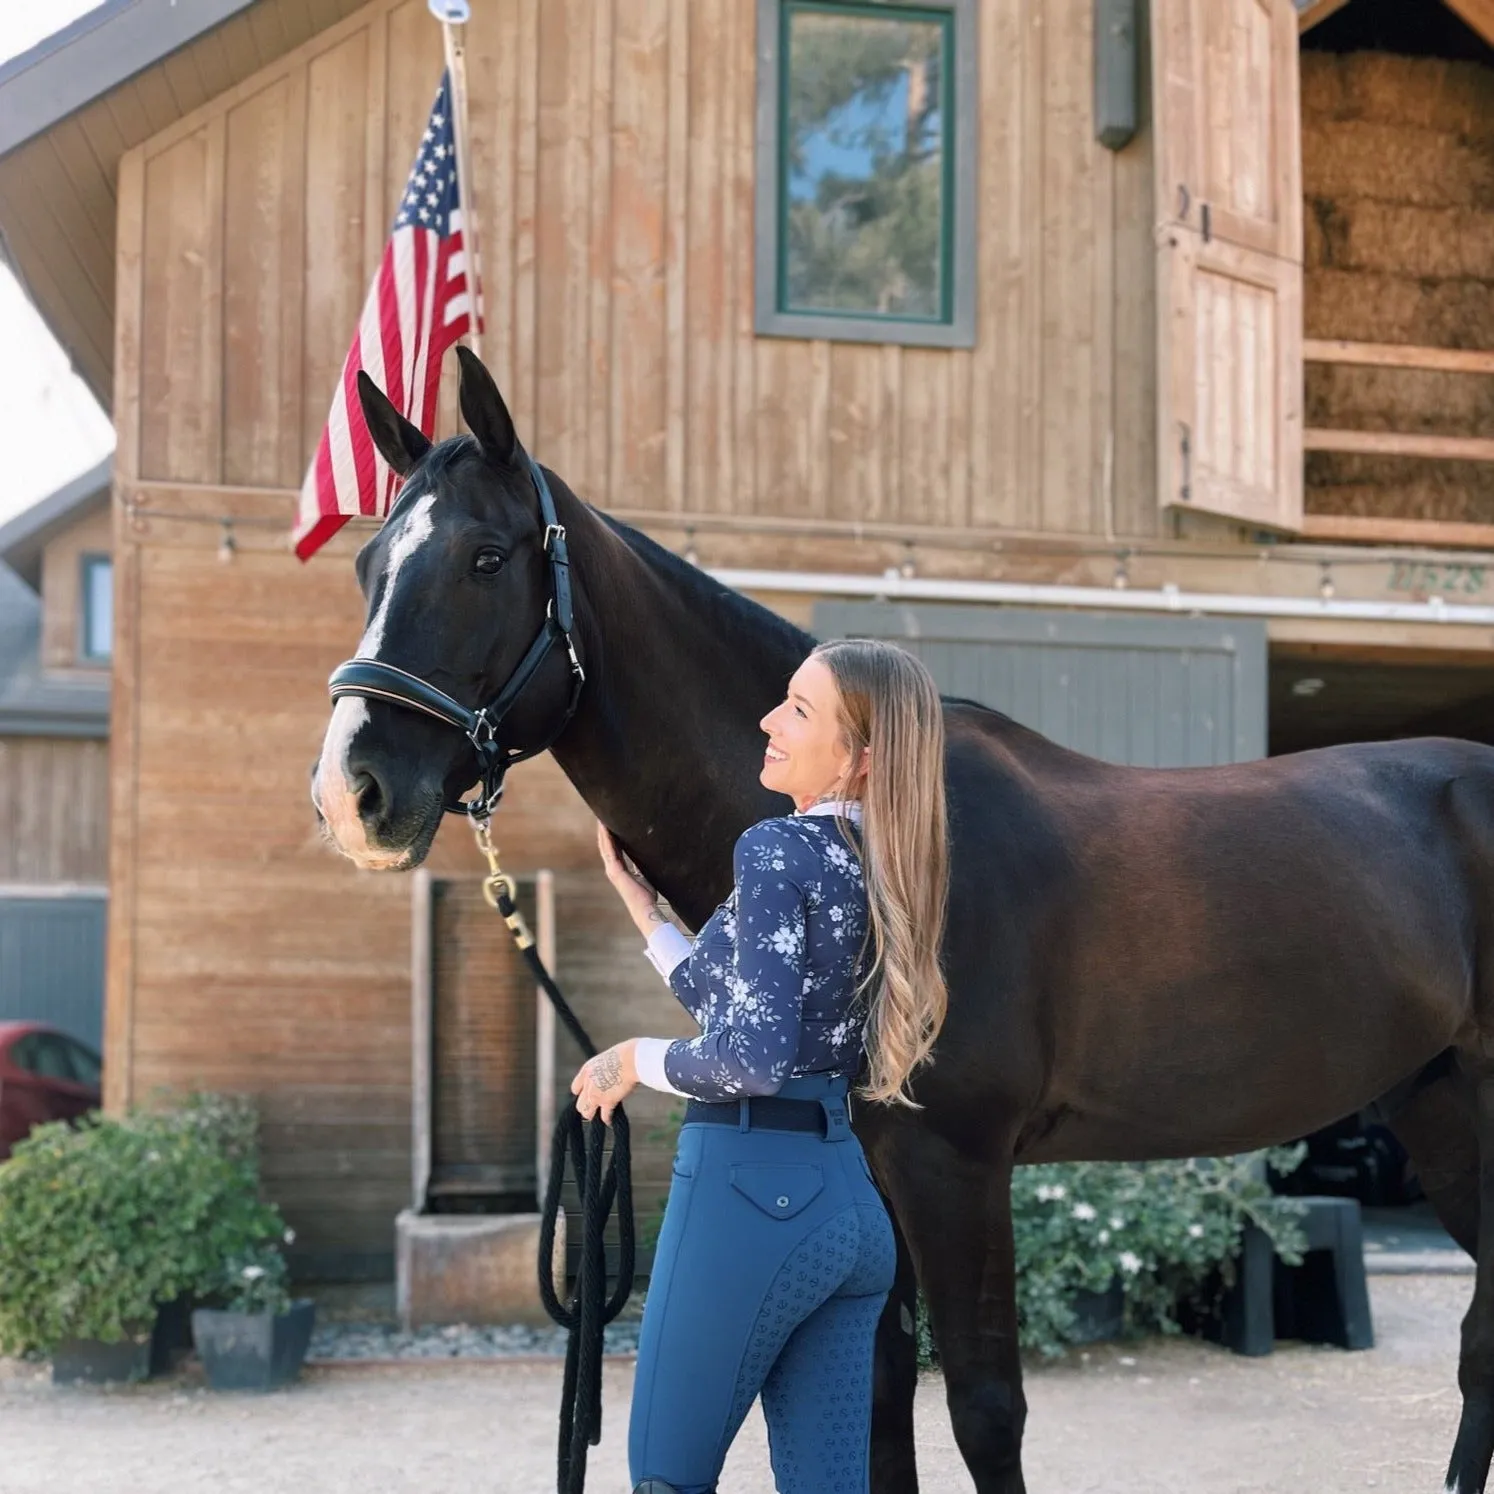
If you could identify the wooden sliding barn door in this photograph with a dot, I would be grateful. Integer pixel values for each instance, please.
(1229, 258)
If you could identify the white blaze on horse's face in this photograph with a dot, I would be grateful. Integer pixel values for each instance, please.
(332, 788)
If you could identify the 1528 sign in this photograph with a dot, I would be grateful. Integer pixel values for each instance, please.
(1424, 579)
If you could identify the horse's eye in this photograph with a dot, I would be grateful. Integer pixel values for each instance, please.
(488, 563)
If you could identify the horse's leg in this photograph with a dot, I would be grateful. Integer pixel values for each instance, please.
(1468, 1469)
(894, 1469)
(1435, 1121)
(955, 1210)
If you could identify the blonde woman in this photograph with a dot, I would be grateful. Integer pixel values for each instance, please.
(776, 1254)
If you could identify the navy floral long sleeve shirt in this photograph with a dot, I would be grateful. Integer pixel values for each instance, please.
(772, 975)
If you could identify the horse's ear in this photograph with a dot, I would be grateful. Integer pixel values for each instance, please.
(399, 442)
(485, 413)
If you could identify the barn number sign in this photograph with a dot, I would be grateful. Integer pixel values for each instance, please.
(1424, 579)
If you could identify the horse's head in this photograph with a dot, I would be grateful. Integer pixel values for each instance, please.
(457, 585)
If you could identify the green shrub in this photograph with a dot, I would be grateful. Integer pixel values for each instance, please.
(102, 1222)
(1165, 1230)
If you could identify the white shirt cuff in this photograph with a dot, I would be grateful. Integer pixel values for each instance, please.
(648, 1059)
(666, 948)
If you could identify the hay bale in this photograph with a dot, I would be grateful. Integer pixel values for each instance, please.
(1465, 102)
(1323, 92)
(1398, 399)
(1363, 308)
(1393, 238)
(1350, 158)
(1398, 173)
(1395, 90)
(1399, 488)
(1457, 314)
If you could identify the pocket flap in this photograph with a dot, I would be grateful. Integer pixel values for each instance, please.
(779, 1190)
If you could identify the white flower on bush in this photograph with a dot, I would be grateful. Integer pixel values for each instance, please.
(1104, 1237)
(1116, 1222)
(1051, 1192)
(1195, 1231)
(253, 1273)
(1084, 1212)
(1129, 1262)
(290, 1237)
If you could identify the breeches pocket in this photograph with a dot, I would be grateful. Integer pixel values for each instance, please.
(778, 1189)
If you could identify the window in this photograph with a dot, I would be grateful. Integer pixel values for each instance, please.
(866, 171)
(87, 1066)
(98, 608)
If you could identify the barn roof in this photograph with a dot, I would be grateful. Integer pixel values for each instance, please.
(77, 101)
(34, 702)
(24, 538)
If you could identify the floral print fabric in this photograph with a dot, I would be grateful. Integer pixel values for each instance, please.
(772, 975)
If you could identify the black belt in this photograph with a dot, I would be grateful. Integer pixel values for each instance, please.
(764, 1113)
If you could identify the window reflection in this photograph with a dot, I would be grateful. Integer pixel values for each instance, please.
(864, 205)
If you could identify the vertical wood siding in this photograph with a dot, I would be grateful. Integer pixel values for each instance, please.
(613, 165)
(54, 810)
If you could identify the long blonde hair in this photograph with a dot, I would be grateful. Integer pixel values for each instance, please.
(890, 704)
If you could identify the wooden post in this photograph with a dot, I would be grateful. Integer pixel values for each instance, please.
(449, 13)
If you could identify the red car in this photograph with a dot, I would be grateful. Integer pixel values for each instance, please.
(45, 1075)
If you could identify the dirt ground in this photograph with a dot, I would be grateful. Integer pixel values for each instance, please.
(1159, 1418)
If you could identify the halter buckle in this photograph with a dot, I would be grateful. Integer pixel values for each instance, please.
(483, 732)
(554, 533)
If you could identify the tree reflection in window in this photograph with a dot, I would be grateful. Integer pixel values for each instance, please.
(865, 205)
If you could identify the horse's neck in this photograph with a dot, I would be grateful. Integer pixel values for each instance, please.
(665, 747)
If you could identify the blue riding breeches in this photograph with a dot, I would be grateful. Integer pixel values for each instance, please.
(774, 1262)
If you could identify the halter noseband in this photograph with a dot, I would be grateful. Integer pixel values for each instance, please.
(369, 679)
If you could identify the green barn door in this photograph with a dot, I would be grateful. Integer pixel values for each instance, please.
(1155, 692)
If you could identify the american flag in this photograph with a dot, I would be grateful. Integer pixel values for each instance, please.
(419, 304)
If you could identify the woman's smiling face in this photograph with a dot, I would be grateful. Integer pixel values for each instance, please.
(808, 756)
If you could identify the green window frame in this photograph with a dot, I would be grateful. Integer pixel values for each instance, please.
(89, 619)
(954, 323)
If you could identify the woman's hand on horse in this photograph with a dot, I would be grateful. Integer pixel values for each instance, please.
(640, 899)
(604, 1082)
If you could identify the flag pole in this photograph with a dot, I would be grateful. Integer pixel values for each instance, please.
(452, 13)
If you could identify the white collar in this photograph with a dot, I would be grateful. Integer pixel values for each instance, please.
(849, 808)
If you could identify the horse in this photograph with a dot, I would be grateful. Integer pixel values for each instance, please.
(1142, 963)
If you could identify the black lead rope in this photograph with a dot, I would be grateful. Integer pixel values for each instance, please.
(601, 1186)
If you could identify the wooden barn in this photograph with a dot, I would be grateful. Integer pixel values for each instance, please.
(1134, 360)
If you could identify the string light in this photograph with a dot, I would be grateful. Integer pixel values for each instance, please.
(691, 554)
(1122, 578)
(227, 544)
(1325, 580)
(908, 569)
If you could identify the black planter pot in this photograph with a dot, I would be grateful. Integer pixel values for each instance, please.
(253, 1350)
(1099, 1315)
(171, 1339)
(90, 1361)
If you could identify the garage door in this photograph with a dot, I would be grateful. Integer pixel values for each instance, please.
(1158, 692)
(52, 962)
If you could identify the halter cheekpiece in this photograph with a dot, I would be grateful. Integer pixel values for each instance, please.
(370, 679)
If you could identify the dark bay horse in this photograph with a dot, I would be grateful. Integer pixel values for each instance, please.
(1142, 963)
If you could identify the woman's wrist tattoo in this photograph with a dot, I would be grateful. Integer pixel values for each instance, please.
(606, 1070)
(657, 915)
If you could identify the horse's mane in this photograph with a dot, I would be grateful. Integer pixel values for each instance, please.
(751, 616)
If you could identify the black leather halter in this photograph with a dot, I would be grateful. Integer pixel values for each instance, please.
(369, 679)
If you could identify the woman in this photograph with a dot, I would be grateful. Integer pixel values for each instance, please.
(776, 1253)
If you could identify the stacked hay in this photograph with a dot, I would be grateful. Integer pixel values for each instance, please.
(1398, 177)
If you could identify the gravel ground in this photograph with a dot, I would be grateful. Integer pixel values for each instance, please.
(1157, 1418)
